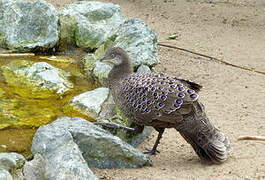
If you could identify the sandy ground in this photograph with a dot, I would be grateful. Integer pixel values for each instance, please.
(232, 30)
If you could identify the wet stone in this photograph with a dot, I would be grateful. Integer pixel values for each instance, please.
(39, 80)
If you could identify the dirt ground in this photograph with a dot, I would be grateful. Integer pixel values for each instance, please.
(232, 30)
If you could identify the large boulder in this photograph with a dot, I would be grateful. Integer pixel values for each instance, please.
(28, 26)
(62, 158)
(38, 80)
(88, 24)
(66, 136)
(136, 38)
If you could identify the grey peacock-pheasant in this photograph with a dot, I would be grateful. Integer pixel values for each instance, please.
(162, 101)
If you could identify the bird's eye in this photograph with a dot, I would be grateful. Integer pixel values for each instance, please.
(113, 55)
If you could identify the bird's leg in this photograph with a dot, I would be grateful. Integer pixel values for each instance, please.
(153, 151)
(137, 129)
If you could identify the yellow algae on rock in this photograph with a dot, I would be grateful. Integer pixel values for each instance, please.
(28, 100)
(73, 111)
(36, 80)
(26, 113)
(2, 92)
(25, 104)
(63, 59)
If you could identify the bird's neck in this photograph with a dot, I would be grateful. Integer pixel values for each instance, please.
(120, 71)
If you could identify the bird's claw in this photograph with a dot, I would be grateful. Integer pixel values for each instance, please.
(151, 152)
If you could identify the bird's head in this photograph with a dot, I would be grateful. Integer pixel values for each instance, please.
(115, 56)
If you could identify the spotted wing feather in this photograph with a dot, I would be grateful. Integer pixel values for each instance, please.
(151, 98)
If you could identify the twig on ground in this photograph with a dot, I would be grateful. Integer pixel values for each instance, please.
(16, 54)
(212, 58)
(256, 138)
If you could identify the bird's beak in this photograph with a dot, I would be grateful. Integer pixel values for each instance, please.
(106, 60)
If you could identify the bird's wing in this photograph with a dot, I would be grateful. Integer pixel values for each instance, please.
(157, 97)
(192, 85)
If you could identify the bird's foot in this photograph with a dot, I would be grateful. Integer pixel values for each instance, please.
(151, 152)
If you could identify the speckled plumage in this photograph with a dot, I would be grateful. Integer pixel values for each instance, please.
(152, 99)
(162, 101)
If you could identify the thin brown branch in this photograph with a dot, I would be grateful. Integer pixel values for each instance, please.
(212, 58)
(2, 55)
(256, 138)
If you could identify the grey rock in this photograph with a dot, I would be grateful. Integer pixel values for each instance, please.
(101, 72)
(68, 26)
(143, 68)
(89, 63)
(92, 22)
(11, 161)
(66, 162)
(5, 175)
(87, 135)
(138, 40)
(99, 148)
(27, 26)
(63, 159)
(35, 169)
(107, 110)
(39, 79)
(47, 139)
(96, 69)
(90, 102)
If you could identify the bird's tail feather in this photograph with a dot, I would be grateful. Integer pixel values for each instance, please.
(208, 142)
(215, 150)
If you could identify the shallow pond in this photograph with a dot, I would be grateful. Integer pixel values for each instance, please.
(20, 116)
